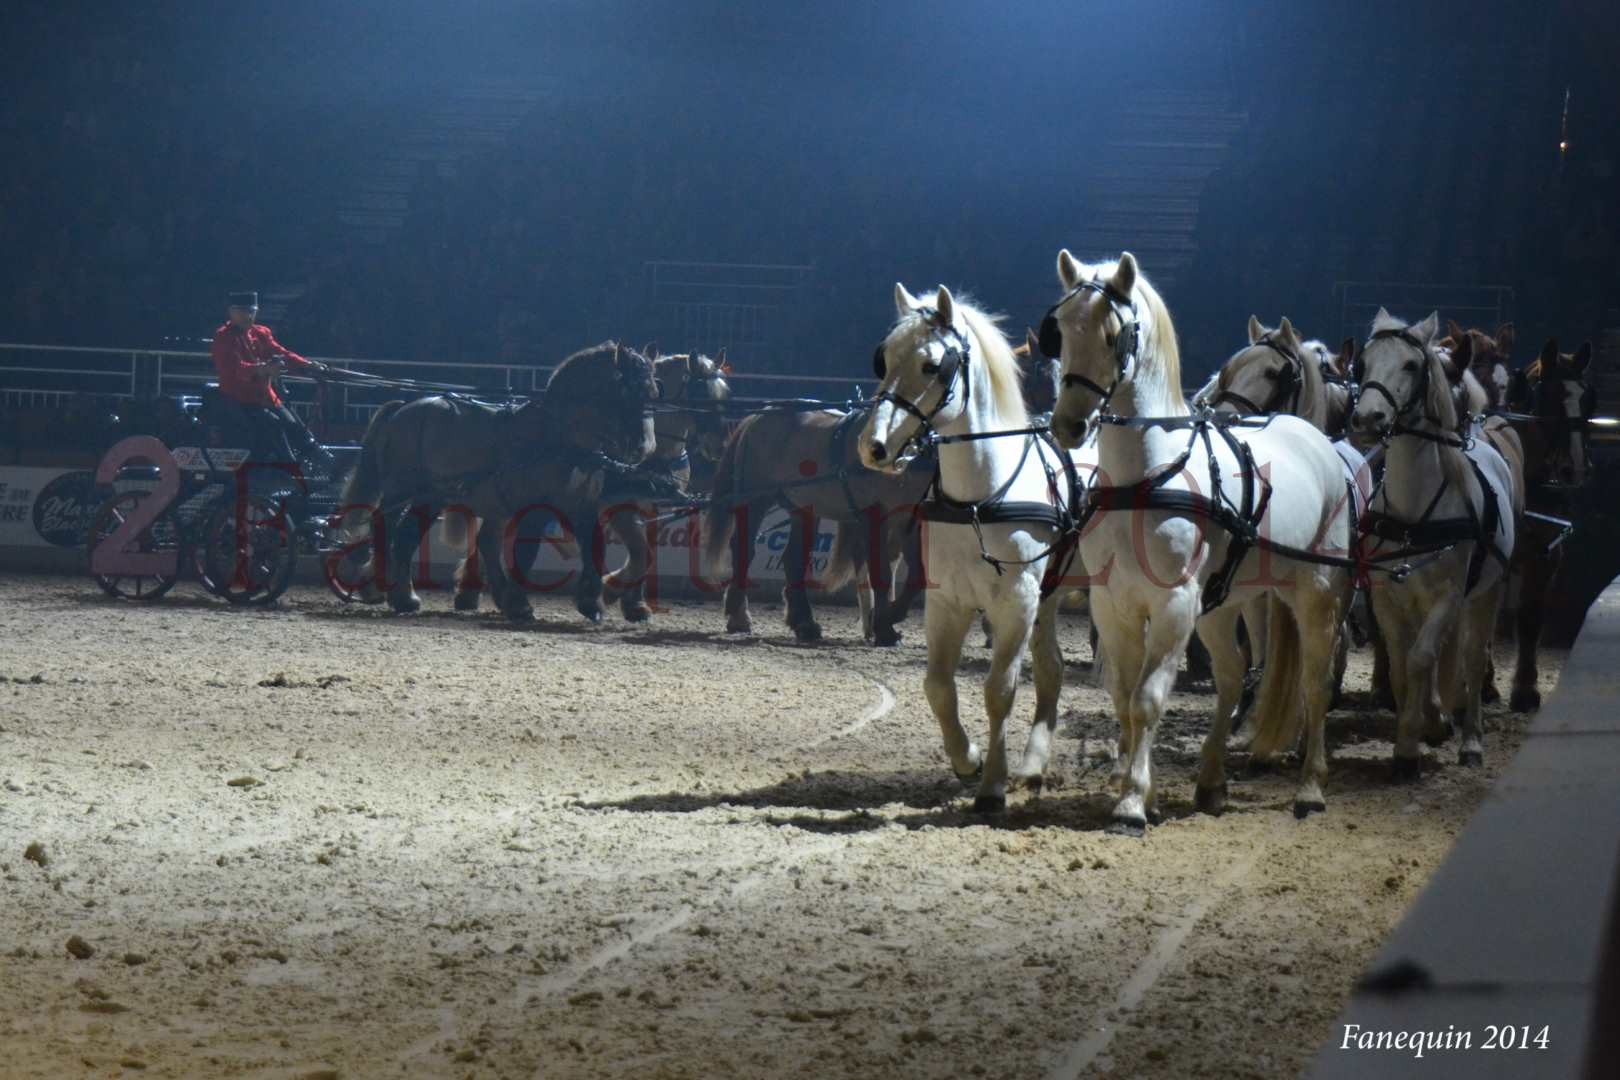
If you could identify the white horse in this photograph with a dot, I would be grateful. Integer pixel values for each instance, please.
(1280, 371)
(1439, 621)
(947, 367)
(1150, 566)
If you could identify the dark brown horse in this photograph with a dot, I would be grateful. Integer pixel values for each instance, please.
(510, 468)
(1553, 389)
(689, 422)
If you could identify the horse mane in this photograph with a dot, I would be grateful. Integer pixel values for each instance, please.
(1314, 390)
(580, 367)
(1158, 337)
(1004, 374)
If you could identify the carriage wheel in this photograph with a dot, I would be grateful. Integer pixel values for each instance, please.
(249, 557)
(163, 534)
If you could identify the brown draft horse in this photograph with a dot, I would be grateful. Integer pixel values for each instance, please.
(688, 422)
(1552, 388)
(549, 457)
(807, 463)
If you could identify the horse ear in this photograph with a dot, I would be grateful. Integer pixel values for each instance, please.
(1032, 342)
(904, 302)
(1462, 352)
(650, 350)
(1124, 279)
(1286, 331)
(1549, 353)
(1453, 331)
(1582, 358)
(691, 363)
(1426, 330)
(1256, 331)
(1383, 317)
(719, 358)
(945, 307)
(1505, 337)
(1346, 357)
(1069, 270)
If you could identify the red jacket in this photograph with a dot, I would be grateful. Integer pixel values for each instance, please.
(242, 359)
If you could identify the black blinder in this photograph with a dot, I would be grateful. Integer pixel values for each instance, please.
(1050, 338)
(1125, 344)
(880, 368)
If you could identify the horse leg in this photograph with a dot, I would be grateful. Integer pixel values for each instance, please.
(466, 579)
(1048, 658)
(1011, 619)
(1539, 570)
(1168, 630)
(1478, 631)
(796, 562)
(909, 545)
(510, 597)
(588, 596)
(1106, 666)
(1386, 685)
(1255, 626)
(1438, 716)
(629, 580)
(1229, 666)
(1319, 615)
(402, 550)
(1426, 630)
(947, 626)
(738, 620)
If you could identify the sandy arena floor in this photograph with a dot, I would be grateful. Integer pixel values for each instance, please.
(329, 842)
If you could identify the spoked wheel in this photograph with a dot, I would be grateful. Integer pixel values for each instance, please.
(341, 565)
(249, 555)
(161, 536)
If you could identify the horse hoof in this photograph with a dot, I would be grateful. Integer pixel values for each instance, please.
(990, 804)
(1033, 783)
(743, 625)
(1130, 827)
(967, 779)
(1304, 808)
(592, 613)
(405, 605)
(1471, 759)
(1440, 734)
(466, 601)
(636, 612)
(1406, 769)
(807, 632)
(886, 636)
(1259, 766)
(1210, 800)
(519, 615)
(1527, 699)
(1490, 695)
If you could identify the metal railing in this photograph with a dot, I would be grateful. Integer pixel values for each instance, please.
(34, 375)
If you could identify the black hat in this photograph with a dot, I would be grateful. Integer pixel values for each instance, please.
(244, 299)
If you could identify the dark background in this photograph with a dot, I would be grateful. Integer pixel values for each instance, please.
(489, 180)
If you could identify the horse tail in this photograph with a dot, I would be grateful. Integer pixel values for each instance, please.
(845, 557)
(718, 520)
(1277, 710)
(364, 485)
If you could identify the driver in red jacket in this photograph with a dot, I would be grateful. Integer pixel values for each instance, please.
(247, 357)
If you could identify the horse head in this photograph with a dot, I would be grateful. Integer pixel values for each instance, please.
(600, 399)
(699, 383)
(1563, 398)
(1397, 370)
(1276, 372)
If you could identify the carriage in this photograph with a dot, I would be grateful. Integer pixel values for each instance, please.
(217, 508)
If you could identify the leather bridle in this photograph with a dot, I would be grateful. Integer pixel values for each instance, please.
(1050, 338)
(1284, 397)
(954, 366)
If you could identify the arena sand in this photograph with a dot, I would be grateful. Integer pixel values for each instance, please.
(320, 841)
